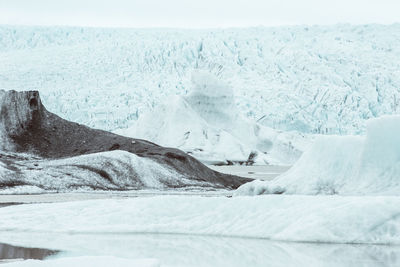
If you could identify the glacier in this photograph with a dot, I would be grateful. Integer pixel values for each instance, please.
(312, 79)
(345, 165)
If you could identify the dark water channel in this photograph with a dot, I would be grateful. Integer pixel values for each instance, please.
(9, 252)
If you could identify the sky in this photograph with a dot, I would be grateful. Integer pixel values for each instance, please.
(197, 13)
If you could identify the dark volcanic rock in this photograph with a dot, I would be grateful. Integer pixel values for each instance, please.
(27, 127)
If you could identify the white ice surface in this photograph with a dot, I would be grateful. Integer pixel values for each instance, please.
(346, 165)
(351, 219)
(86, 261)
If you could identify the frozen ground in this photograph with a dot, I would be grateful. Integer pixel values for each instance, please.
(329, 79)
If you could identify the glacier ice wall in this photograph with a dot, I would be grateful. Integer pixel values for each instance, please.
(319, 79)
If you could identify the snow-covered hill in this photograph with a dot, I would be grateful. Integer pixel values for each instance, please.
(207, 124)
(319, 79)
(113, 170)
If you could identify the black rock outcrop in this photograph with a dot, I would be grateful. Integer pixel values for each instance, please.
(27, 127)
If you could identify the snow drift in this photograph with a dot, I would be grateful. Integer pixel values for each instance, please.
(346, 165)
(207, 124)
(38, 148)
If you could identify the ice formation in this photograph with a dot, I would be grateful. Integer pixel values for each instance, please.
(345, 165)
(207, 124)
(319, 79)
(333, 219)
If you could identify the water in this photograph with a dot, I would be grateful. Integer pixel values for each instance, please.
(9, 252)
(199, 251)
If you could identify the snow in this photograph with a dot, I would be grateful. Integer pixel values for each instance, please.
(207, 124)
(345, 165)
(87, 261)
(335, 219)
(318, 79)
(111, 170)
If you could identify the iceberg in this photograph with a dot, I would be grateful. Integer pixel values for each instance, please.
(207, 124)
(344, 165)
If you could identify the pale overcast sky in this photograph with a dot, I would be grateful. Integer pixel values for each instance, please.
(197, 13)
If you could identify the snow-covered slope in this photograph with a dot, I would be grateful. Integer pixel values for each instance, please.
(207, 124)
(113, 170)
(277, 217)
(346, 165)
(319, 79)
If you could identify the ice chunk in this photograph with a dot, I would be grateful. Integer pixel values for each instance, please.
(346, 165)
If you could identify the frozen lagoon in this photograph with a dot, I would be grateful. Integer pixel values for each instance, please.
(209, 240)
